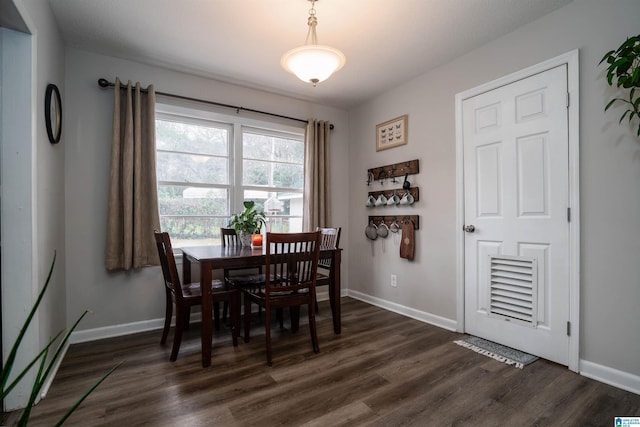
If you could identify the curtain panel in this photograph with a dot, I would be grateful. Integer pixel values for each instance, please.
(133, 194)
(317, 193)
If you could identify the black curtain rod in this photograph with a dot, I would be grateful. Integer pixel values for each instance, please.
(104, 83)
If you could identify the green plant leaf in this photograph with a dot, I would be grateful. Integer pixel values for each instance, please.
(16, 380)
(623, 116)
(610, 104)
(8, 365)
(606, 56)
(84, 396)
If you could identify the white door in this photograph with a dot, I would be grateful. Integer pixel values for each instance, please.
(516, 200)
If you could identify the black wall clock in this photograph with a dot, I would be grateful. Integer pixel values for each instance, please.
(53, 113)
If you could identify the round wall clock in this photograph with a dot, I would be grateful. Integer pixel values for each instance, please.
(53, 113)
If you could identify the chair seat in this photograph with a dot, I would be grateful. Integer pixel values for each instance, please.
(242, 281)
(260, 292)
(192, 290)
(322, 276)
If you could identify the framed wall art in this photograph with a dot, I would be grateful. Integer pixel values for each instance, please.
(392, 133)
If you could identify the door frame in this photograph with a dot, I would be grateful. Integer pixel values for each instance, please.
(571, 60)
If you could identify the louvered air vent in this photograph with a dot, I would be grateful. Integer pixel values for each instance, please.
(514, 288)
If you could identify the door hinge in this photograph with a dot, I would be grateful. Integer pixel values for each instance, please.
(568, 100)
(568, 328)
(568, 214)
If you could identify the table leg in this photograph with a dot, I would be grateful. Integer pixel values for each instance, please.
(207, 323)
(186, 270)
(334, 291)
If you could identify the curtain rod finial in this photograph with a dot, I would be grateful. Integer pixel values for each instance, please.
(103, 83)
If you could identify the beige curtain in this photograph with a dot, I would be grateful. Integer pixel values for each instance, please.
(317, 208)
(133, 195)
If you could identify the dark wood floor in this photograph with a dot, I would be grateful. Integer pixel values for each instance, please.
(385, 369)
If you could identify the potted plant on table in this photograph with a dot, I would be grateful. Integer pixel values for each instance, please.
(248, 222)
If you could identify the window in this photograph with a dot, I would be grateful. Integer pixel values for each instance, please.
(208, 164)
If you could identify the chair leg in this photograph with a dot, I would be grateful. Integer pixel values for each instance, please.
(294, 311)
(312, 328)
(234, 316)
(177, 335)
(167, 320)
(267, 333)
(225, 310)
(247, 317)
(216, 315)
(280, 317)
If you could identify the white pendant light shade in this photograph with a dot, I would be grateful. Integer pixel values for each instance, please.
(312, 62)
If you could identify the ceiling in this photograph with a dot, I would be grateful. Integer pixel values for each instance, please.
(241, 41)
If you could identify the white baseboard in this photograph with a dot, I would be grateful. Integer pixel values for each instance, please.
(142, 326)
(52, 374)
(423, 316)
(116, 330)
(613, 377)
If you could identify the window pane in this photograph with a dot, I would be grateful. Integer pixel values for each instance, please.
(286, 215)
(193, 231)
(191, 168)
(180, 200)
(191, 138)
(266, 147)
(270, 174)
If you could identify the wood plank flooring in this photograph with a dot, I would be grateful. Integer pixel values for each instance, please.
(384, 370)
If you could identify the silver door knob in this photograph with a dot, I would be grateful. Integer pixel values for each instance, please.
(469, 228)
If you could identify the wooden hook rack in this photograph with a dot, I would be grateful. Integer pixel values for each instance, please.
(397, 170)
(400, 219)
(399, 191)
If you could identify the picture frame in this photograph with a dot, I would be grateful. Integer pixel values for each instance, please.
(392, 133)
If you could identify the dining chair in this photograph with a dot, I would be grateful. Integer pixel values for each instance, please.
(290, 280)
(185, 296)
(330, 239)
(229, 237)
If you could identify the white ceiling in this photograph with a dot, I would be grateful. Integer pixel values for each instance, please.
(241, 41)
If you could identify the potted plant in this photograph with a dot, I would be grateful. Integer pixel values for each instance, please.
(41, 362)
(624, 67)
(247, 222)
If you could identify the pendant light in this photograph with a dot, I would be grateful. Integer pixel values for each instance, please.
(312, 62)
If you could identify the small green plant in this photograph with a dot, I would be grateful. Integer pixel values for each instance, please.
(624, 67)
(44, 368)
(248, 221)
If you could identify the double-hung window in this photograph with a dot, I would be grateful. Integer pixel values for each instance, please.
(209, 163)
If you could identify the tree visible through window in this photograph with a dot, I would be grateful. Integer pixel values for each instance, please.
(197, 175)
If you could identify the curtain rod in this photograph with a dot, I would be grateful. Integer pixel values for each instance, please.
(104, 83)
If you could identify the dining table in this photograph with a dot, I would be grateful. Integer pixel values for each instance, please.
(214, 257)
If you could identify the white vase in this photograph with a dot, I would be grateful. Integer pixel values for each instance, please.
(245, 238)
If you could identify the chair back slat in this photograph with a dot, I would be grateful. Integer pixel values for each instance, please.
(229, 237)
(168, 263)
(330, 239)
(292, 261)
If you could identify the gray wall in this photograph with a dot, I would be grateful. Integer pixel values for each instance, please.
(33, 185)
(123, 298)
(609, 166)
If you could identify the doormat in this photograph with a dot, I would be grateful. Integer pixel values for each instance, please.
(496, 351)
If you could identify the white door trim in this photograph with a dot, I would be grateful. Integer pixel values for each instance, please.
(571, 59)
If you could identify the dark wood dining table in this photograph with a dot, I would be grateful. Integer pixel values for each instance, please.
(221, 257)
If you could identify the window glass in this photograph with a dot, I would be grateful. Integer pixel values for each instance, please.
(199, 154)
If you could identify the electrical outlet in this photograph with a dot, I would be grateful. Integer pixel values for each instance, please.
(394, 281)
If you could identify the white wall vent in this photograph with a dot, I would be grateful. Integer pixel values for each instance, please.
(513, 289)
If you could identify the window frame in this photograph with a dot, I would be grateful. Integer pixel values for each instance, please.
(236, 125)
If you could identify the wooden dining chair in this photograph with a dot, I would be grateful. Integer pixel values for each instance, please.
(290, 280)
(330, 239)
(185, 296)
(229, 237)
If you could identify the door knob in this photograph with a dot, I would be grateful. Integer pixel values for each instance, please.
(469, 228)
